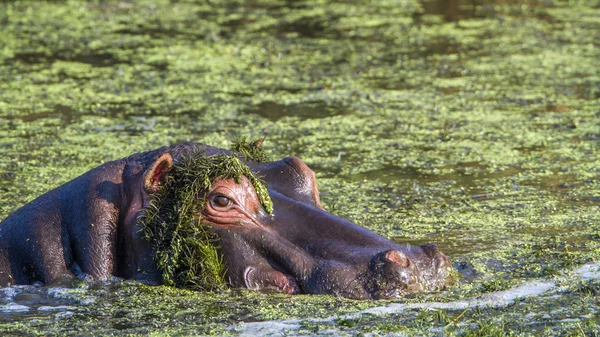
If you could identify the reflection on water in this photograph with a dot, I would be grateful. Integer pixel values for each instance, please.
(455, 10)
(96, 60)
(274, 111)
(472, 177)
(60, 111)
(448, 8)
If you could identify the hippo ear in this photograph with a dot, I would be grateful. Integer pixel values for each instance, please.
(397, 257)
(258, 143)
(157, 173)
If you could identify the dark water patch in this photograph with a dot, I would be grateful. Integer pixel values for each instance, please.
(307, 110)
(152, 31)
(521, 102)
(392, 172)
(31, 57)
(530, 149)
(449, 9)
(103, 59)
(292, 90)
(589, 89)
(440, 45)
(159, 32)
(556, 182)
(560, 238)
(131, 108)
(307, 27)
(583, 201)
(466, 175)
(448, 90)
(96, 60)
(237, 23)
(466, 270)
(63, 112)
(159, 65)
(388, 83)
(7, 177)
(142, 110)
(456, 10)
(234, 93)
(248, 13)
(541, 109)
(245, 7)
(421, 48)
(453, 244)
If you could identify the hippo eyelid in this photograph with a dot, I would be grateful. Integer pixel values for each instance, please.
(220, 201)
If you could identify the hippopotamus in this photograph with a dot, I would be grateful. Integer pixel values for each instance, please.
(89, 226)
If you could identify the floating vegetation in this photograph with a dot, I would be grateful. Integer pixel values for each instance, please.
(251, 150)
(186, 251)
(477, 129)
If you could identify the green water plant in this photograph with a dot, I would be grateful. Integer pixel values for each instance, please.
(251, 150)
(186, 250)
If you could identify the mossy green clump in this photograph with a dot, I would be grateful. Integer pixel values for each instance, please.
(186, 249)
(251, 150)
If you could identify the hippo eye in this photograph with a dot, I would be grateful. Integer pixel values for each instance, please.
(221, 201)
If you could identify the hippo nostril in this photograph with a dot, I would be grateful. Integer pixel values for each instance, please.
(397, 257)
(441, 261)
(394, 275)
(431, 250)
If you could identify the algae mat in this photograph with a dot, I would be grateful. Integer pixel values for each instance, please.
(476, 127)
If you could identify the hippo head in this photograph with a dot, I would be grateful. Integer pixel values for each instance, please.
(301, 248)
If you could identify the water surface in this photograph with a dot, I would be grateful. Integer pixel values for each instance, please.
(473, 124)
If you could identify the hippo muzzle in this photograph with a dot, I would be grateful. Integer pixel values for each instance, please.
(301, 248)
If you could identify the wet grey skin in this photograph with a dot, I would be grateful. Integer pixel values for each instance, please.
(89, 224)
(301, 248)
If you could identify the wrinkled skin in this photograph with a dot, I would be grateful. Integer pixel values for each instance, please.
(88, 226)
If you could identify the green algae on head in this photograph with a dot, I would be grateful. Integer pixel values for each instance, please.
(186, 251)
(251, 150)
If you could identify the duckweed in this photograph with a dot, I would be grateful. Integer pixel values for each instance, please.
(476, 127)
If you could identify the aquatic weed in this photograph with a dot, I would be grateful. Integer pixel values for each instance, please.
(251, 150)
(186, 251)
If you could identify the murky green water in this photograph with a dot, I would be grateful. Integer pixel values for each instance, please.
(476, 127)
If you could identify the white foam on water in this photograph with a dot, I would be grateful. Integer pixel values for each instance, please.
(73, 294)
(589, 271)
(267, 328)
(57, 308)
(64, 314)
(88, 300)
(9, 293)
(13, 307)
(498, 299)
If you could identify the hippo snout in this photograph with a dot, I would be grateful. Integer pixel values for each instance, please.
(436, 267)
(394, 275)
